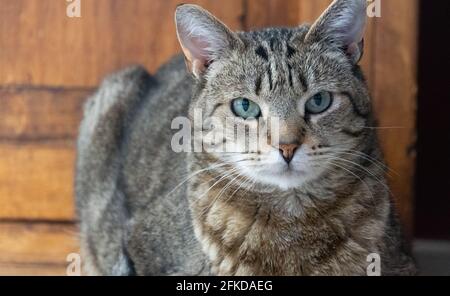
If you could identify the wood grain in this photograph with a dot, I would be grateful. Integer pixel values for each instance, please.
(32, 269)
(309, 10)
(395, 95)
(40, 114)
(36, 248)
(273, 13)
(36, 181)
(40, 45)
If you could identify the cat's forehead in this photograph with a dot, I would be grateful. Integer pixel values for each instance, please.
(286, 54)
(275, 40)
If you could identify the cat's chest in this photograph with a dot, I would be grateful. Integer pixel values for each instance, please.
(246, 240)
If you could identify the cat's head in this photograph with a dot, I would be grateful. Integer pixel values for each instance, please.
(306, 77)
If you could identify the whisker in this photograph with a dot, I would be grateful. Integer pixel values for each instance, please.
(373, 161)
(383, 127)
(368, 156)
(193, 175)
(363, 169)
(365, 184)
(205, 210)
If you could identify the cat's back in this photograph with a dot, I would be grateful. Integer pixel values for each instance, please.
(150, 165)
(126, 168)
(128, 119)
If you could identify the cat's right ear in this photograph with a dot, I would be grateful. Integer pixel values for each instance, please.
(342, 25)
(203, 37)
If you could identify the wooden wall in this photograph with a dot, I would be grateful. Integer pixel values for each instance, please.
(49, 63)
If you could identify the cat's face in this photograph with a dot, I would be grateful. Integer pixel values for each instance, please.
(310, 85)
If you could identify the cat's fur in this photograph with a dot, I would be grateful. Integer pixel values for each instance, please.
(139, 215)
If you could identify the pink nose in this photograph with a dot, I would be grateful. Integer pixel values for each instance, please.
(288, 151)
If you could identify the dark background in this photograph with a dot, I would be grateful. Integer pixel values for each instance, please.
(432, 207)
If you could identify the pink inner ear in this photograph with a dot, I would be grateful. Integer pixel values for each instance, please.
(352, 49)
(355, 51)
(198, 49)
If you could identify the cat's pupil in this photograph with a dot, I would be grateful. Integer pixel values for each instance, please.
(245, 104)
(318, 100)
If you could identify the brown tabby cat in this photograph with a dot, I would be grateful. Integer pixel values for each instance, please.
(313, 203)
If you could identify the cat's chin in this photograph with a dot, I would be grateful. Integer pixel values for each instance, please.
(283, 178)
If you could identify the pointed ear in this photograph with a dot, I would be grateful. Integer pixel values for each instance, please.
(203, 37)
(342, 25)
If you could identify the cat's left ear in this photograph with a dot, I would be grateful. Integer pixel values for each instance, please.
(342, 25)
(202, 37)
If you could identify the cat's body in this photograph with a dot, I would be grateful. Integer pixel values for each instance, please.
(125, 177)
(139, 213)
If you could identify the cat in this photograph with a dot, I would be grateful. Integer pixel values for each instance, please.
(314, 202)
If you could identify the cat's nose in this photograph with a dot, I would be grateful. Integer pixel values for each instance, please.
(288, 151)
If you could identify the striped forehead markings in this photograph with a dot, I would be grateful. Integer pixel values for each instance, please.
(291, 84)
(290, 51)
(262, 52)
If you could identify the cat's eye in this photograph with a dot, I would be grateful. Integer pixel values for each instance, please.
(245, 108)
(319, 103)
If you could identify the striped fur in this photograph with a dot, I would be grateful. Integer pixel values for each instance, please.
(239, 213)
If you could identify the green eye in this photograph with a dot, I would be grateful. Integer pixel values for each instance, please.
(319, 103)
(245, 108)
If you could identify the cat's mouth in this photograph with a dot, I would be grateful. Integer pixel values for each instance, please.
(287, 169)
(281, 175)
(273, 170)
(290, 170)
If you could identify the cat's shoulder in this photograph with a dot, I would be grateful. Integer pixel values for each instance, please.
(134, 81)
(120, 92)
(121, 87)
(108, 107)
(175, 66)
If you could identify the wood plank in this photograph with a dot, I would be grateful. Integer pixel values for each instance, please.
(36, 181)
(395, 96)
(37, 114)
(273, 13)
(42, 46)
(18, 269)
(36, 248)
(309, 10)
